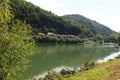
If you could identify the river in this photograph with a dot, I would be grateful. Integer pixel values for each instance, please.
(55, 56)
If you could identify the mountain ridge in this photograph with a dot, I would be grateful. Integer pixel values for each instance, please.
(94, 26)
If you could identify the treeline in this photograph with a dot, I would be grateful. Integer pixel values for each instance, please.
(58, 39)
(44, 21)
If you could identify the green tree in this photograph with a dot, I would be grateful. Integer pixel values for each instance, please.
(119, 39)
(99, 38)
(113, 38)
(15, 44)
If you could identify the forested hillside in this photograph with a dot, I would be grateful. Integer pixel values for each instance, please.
(45, 21)
(95, 27)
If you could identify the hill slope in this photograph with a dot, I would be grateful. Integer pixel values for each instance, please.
(45, 21)
(95, 27)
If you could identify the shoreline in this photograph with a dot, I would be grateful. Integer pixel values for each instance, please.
(58, 69)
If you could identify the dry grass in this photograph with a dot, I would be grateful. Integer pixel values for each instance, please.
(105, 71)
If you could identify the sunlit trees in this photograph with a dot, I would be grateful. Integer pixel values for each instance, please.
(15, 43)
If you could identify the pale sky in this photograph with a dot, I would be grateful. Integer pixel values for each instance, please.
(106, 12)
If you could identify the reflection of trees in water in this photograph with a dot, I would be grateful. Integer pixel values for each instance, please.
(54, 55)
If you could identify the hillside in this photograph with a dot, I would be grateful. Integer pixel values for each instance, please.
(45, 21)
(95, 27)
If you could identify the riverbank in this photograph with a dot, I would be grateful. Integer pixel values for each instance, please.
(75, 59)
(109, 70)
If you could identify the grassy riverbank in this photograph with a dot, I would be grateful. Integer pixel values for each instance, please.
(105, 71)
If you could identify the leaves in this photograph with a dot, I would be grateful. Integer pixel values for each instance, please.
(15, 44)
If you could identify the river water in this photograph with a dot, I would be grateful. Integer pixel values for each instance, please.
(56, 56)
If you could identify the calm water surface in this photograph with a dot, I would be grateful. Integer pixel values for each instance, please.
(49, 57)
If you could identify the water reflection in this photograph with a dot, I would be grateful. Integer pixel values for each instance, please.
(54, 56)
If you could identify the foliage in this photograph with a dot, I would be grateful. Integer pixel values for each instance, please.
(64, 73)
(44, 21)
(99, 38)
(15, 44)
(113, 38)
(57, 39)
(119, 39)
(5, 14)
(53, 76)
(15, 47)
(87, 65)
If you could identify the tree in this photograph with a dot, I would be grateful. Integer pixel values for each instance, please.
(99, 38)
(119, 39)
(113, 38)
(15, 43)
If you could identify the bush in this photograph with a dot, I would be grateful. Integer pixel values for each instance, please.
(87, 65)
(15, 44)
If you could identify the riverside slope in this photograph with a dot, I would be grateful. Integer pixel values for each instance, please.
(105, 71)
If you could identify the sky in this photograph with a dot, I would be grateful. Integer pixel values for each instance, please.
(106, 12)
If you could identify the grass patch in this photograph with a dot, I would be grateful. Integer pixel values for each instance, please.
(105, 71)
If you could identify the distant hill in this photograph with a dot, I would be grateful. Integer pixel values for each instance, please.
(95, 27)
(45, 21)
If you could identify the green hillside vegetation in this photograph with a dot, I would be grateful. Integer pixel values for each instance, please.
(95, 27)
(45, 21)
